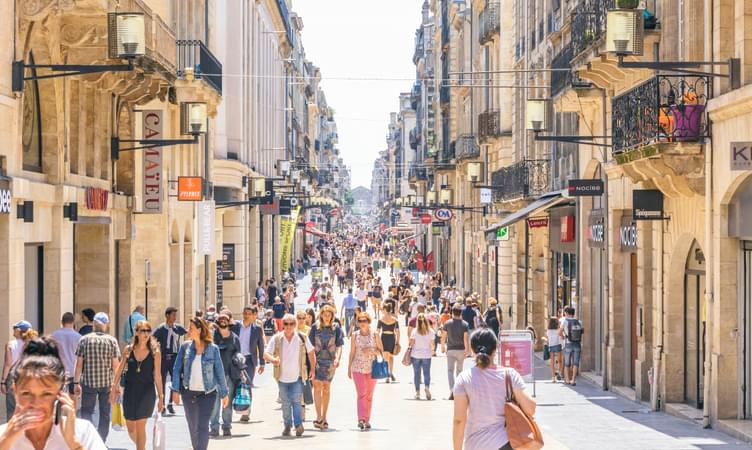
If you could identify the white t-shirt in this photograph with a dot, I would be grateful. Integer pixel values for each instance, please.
(553, 337)
(361, 294)
(85, 433)
(422, 345)
(16, 349)
(196, 383)
(290, 364)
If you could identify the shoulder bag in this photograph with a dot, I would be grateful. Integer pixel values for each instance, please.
(407, 359)
(379, 369)
(522, 430)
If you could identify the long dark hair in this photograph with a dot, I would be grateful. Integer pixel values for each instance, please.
(41, 360)
(203, 326)
(483, 342)
(152, 343)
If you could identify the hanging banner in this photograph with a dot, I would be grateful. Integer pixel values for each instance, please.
(152, 163)
(205, 227)
(286, 233)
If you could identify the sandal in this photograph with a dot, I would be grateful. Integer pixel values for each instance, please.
(317, 424)
(325, 425)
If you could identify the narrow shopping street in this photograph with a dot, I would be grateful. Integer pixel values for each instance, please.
(578, 418)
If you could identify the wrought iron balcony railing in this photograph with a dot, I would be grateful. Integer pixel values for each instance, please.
(466, 146)
(417, 173)
(448, 153)
(526, 179)
(194, 54)
(560, 80)
(489, 125)
(589, 23)
(490, 25)
(665, 108)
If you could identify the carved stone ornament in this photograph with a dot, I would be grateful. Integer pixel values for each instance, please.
(39, 9)
(83, 34)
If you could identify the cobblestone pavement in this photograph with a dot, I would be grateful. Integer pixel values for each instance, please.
(581, 417)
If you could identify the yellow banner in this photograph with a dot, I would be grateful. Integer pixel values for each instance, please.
(286, 234)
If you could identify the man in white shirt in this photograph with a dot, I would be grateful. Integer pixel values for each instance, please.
(362, 296)
(288, 351)
(68, 339)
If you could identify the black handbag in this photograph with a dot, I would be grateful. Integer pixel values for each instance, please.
(308, 393)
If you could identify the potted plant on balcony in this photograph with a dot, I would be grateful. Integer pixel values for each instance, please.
(688, 117)
(627, 4)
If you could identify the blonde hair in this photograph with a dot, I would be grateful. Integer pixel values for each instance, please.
(422, 324)
(326, 309)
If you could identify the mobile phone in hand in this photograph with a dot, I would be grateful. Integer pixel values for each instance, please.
(58, 411)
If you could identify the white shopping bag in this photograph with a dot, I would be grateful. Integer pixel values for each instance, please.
(158, 438)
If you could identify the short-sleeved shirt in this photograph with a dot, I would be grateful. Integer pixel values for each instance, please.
(349, 302)
(486, 391)
(97, 350)
(455, 333)
(68, 339)
(279, 310)
(422, 346)
(468, 315)
(289, 354)
(86, 435)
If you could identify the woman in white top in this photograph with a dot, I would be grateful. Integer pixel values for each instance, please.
(554, 347)
(12, 355)
(479, 398)
(422, 346)
(45, 416)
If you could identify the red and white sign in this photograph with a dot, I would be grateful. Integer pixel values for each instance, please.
(537, 223)
(516, 351)
(190, 189)
(152, 163)
(425, 219)
(567, 229)
(97, 199)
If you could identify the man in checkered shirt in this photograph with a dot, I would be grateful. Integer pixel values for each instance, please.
(98, 356)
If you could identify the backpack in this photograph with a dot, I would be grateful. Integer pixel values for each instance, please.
(574, 330)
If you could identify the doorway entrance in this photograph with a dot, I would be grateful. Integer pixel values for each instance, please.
(34, 285)
(694, 327)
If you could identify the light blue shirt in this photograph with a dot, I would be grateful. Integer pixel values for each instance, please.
(131, 324)
(349, 302)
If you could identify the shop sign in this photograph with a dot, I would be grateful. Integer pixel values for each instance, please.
(220, 286)
(566, 232)
(270, 209)
(97, 199)
(486, 196)
(502, 234)
(443, 214)
(436, 230)
(741, 155)
(228, 261)
(152, 163)
(647, 204)
(190, 189)
(5, 201)
(585, 188)
(537, 223)
(596, 231)
(425, 219)
(628, 235)
(206, 227)
(438, 224)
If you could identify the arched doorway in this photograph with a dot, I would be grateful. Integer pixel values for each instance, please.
(695, 321)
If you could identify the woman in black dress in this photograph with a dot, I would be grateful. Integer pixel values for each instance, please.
(388, 328)
(142, 382)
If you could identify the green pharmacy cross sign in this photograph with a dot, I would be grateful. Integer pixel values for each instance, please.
(502, 234)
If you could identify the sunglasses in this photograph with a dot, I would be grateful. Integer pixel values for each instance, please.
(289, 324)
(144, 330)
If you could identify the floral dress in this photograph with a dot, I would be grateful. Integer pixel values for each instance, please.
(325, 342)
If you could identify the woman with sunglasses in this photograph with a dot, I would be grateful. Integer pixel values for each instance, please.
(363, 350)
(199, 377)
(142, 381)
(327, 339)
(42, 405)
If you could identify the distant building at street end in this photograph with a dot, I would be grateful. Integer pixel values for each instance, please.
(362, 201)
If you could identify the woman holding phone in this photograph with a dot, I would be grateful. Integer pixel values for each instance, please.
(42, 404)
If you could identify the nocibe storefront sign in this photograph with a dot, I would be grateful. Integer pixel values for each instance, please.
(585, 188)
(5, 201)
(628, 235)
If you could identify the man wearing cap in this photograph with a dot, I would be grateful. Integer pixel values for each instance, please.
(97, 359)
(13, 351)
(130, 324)
(168, 334)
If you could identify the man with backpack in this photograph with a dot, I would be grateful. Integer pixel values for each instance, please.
(571, 330)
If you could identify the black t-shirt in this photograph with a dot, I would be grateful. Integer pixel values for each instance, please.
(455, 330)
(468, 315)
(269, 327)
(436, 292)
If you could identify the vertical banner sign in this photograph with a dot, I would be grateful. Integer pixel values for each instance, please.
(286, 232)
(152, 157)
(220, 286)
(228, 261)
(205, 227)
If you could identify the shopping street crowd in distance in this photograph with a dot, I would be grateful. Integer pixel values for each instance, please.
(209, 365)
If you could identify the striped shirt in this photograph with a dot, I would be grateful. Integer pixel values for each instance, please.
(97, 350)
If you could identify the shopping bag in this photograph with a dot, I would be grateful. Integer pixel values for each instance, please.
(242, 400)
(379, 369)
(546, 353)
(407, 359)
(118, 419)
(159, 433)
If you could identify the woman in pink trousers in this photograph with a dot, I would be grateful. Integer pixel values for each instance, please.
(364, 346)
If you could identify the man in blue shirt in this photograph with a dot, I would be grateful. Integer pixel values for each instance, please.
(130, 324)
(348, 307)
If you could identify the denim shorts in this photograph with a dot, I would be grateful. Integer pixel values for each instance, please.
(554, 348)
(572, 352)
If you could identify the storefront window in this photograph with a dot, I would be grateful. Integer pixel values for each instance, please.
(566, 281)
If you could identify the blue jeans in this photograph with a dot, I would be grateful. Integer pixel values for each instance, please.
(89, 398)
(291, 395)
(572, 352)
(198, 408)
(226, 412)
(349, 316)
(423, 364)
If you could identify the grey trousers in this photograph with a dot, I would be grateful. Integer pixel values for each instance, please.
(455, 362)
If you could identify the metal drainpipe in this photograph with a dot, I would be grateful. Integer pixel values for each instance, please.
(606, 247)
(208, 196)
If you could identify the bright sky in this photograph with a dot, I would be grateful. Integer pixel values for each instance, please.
(361, 39)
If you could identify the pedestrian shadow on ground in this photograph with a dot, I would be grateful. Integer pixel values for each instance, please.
(288, 438)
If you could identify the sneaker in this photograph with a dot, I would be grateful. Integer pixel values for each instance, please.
(428, 394)
(245, 419)
(417, 395)
(226, 433)
(299, 430)
(361, 424)
(286, 431)
(170, 409)
(213, 433)
(368, 425)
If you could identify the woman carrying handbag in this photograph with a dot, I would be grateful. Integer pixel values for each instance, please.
(486, 415)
